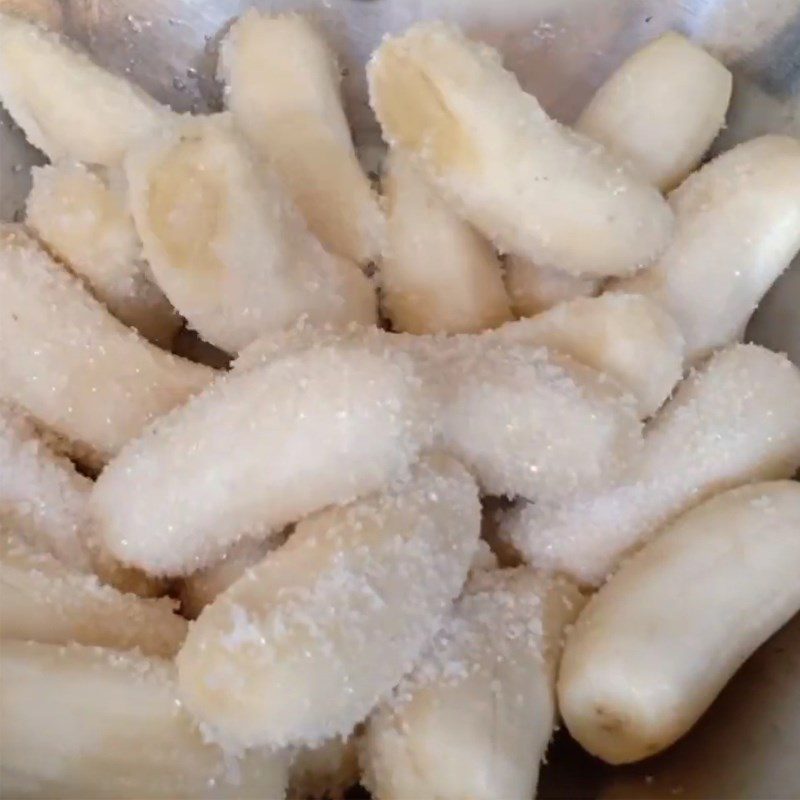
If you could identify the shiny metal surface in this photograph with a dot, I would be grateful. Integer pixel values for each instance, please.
(562, 50)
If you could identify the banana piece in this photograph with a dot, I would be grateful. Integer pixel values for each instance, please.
(68, 106)
(657, 643)
(475, 716)
(226, 243)
(630, 338)
(259, 450)
(438, 274)
(84, 221)
(282, 85)
(303, 646)
(79, 371)
(41, 493)
(738, 227)
(661, 109)
(80, 722)
(534, 187)
(326, 771)
(735, 421)
(46, 601)
(532, 288)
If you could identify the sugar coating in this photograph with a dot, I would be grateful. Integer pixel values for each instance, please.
(628, 337)
(82, 217)
(41, 494)
(283, 89)
(325, 771)
(70, 364)
(46, 601)
(661, 109)
(258, 450)
(734, 421)
(437, 274)
(474, 717)
(76, 718)
(658, 642)
(531, 185)
(227, 244)
(305, 644)
(737, 229)
(68, 106)
(533, 288)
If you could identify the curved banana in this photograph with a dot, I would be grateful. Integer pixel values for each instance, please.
(226, 243)
(534, 187)
(261, 449)
(532, 288)
(46, 601)
(657, 643)
(282, 86)
(738, 227)
(303, 646)
(84, 221)
(437, 274)
(79, 371)
(89, 722)
(68, 106)
(630, 338)
(735, 421)
(661, 109)
(473, 719)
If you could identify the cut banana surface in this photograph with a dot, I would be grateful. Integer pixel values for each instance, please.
(80, 722)
(437, 274)
(533, 288)
(282, 85)
(661, 109)
(304, 645)
(474, 717)
(227, 244)
(259, 450)
(534, 187)
(80, 372)
(45, 601)
(658, 642)
(68, 106)
(745, 397)
(631, 339)
(738, 227)
(82, 218)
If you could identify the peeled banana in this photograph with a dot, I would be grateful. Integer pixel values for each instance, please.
(657, 643)
(302, 647)
(534, 187)
(226, 243)
(282, 86)
(533, 288)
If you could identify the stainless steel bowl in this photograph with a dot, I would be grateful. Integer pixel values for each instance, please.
(748, 744)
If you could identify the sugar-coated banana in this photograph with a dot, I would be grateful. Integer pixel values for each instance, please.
(41, 493)
(282, 85)
(259, 450)
(80, 722)
(46, 601)
(737, 229)
(79, 371)
(302, 646)
(534, 187)
(437, 274)
(631, 338)
(735, 421)
(83, 219)
(661, 109)
(657, 643)
(475, 716)
(532, 288)
(227, 244)
(68, 106)
(324, 772)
